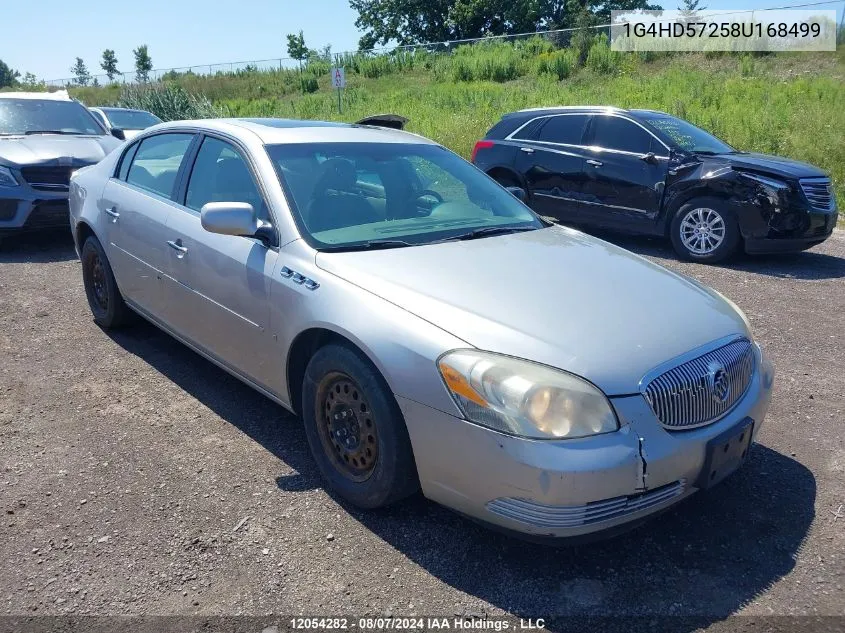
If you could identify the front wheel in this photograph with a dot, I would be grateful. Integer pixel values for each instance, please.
(356, 430)
(704, 231)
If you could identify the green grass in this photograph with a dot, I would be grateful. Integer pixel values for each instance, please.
(788, 104)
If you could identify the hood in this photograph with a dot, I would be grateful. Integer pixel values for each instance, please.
(783, 167)
(554, 296)
(18, 151)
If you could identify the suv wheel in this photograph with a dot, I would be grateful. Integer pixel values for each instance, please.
(356, 430)
(104, 298)
(703, 231)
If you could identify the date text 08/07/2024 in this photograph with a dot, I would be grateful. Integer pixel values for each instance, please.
(416, 623)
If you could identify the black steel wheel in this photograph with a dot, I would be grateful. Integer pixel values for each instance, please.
(101, 289)
(347, 431)
(355, 429)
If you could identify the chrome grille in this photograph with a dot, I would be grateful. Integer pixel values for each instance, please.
(702, 390)
(819, 192)
(552, 517)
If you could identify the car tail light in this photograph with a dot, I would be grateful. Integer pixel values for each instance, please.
(479, 146)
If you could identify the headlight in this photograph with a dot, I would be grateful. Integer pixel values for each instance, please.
(6, 178)
(523, 398)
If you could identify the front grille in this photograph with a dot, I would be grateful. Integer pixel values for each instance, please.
(47, 178)
(702, 390)
(547, 516)
(819, 192)
(49, 214)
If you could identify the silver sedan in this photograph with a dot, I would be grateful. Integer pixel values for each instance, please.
(432, 332)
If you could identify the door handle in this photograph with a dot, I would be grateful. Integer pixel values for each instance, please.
(177, 246)
(113, 213)
(527, 150)
(594, 163)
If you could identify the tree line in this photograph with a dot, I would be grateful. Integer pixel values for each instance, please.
(82, 77)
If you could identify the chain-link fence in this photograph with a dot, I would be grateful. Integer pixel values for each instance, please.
(559, 38)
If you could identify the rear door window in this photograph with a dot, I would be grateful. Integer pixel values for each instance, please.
(156, 163)
(567, 129)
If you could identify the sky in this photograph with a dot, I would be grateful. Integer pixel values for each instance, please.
(52, 33)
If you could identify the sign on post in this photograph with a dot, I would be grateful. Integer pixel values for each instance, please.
(338, 78)
(338, 82)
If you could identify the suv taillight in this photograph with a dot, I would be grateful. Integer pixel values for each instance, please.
(479, 146)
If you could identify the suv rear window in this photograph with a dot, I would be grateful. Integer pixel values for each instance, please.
(46, 116)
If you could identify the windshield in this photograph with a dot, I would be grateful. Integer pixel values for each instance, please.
(130, 119)
(392, 194)
(686, 135)
(32, 116)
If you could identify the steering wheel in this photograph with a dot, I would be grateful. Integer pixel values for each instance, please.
(428, 192)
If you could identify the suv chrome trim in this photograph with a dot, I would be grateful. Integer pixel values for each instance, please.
(512, 136)
(819, 193)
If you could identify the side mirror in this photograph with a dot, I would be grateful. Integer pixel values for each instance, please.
(118, 133)
(229, 218)
(236, 218)
(518, 192)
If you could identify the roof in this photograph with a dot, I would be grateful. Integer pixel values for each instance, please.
(273, 131)
(584, 108)
(58, 95)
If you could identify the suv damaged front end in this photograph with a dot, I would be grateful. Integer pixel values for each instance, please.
(44, 139)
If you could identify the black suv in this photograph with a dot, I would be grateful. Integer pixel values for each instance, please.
(647, 172)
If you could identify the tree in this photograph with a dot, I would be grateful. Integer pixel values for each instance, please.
(80, 72)
(109, 64)
(30, 81)
(298, 51)
(143, 63)
(8, 77)
(689, 9)
(423, 21)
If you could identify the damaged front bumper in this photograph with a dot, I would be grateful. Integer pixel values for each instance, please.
(571, 488)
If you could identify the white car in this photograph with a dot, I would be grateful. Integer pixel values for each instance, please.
(130, 122)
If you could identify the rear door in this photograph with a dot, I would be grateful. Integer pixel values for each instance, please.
(624, 174)
(138, 201)
(551, 158)
(220, 298)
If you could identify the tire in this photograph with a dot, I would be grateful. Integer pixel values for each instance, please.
(720, 238)
(350, 415)
(104, 298)
(506, 179)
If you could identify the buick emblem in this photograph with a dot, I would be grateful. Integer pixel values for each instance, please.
(719, 382)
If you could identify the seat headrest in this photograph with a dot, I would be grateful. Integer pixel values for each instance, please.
(337, 174)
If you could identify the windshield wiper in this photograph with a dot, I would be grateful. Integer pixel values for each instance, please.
(29, 132)
(492, 230)
(365, 246)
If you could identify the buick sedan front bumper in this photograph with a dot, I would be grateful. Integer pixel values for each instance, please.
(571, 488)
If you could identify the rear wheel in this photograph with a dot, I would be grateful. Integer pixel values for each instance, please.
(104, 297)
(355, 429)
(704, 231)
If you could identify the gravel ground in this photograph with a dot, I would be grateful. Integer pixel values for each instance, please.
(137, 478)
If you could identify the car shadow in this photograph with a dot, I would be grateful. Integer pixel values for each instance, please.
(55, 245)
(806, 265)
(692, 566)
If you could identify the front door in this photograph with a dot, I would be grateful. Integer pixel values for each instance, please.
(220, 300)
(625, 171)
